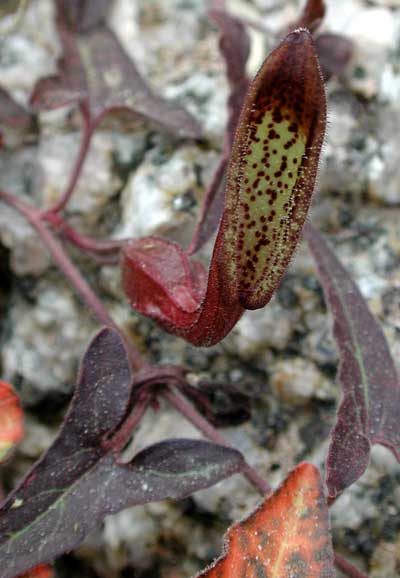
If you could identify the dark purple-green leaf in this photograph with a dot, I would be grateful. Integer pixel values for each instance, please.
(36, 527)
(370, 408)
(96, 72)
(80, 480)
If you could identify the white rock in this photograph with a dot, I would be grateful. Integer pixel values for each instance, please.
(384, 167)
(149, 200)
(28, 254)
(46, 340)
(17, 177)
(374, 31)
(373, 25)
(31, 50)
(297, 381)
(388, 3)
(355, 504)
(133, 532)
(257, 330)
(98, 182)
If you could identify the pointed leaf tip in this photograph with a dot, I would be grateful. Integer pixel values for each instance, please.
(273, 168)
(370, 408)
(312, 15)
(288, 535)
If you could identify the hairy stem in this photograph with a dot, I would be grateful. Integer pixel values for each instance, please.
(70, 271)
(87, 133)
(193, 416)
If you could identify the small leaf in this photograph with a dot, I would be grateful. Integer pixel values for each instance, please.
(67, 87)
(334, 53)
(11, 421)
(312, 15)
(269, 188)
(370, 408)
(79, 480)
(95, 71)
(287, 536)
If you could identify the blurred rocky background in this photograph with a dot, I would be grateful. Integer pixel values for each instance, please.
(281, 360)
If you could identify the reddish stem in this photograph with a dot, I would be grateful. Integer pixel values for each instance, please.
(121, 438)
(212, 191)
(347, 568)
(192, 415)
(83, 242)
(87, 133)
(62, 260)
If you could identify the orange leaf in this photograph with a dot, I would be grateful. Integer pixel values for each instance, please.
(286, 537)
(11, 420)
(41, 571)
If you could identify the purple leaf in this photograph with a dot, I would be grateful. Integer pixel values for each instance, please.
(334, 53)
(96, 73)
(312, 15)
(68, 86)
(334, 50)
(370, 408)
(79, 480)
(38, 526)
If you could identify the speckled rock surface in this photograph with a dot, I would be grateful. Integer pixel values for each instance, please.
(140, 182)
